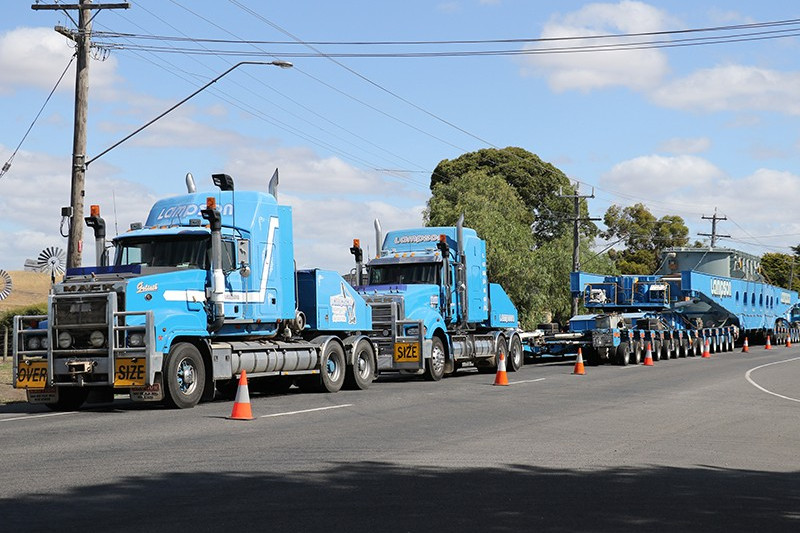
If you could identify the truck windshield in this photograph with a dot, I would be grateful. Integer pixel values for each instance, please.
(172, 251)
(405, 273)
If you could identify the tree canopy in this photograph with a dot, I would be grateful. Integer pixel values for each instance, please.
(536, 182)
(643, 235)
(777, 270)
(534, 271)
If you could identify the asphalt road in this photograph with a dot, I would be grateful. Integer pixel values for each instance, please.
(686, 445)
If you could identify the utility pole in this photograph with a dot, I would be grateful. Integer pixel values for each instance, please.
(576, 236)
(82, 38)
(713, 233)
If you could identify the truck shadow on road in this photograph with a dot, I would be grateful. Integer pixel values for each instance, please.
(386, 497)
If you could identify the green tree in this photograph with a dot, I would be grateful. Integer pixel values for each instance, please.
(777, 270)
(536, 278)
(536, 183)
(643, 235)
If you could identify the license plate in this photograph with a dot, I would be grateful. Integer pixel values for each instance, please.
(130, 372)
(31, 375)
(406, 352)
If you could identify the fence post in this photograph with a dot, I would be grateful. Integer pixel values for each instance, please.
(5, 343)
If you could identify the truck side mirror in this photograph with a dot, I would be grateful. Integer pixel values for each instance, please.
(243, 256)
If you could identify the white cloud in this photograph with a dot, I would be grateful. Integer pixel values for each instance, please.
(678, 145)
(324, 229)
(36, 57)
(31, 196)
(638, 69)
(449, 7)
(733, 88)
(652, 175)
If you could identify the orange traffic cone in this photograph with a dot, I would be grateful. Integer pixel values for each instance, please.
(501, 378)
(745, 346)
(579, 369)
(241, 405)
(648, 356)
(768, 346)
(788, 341)
(706, 350)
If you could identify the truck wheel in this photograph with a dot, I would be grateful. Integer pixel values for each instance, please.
(332, 367)
(666, 350)
(434, 367)
(623, 354)
(656, 350)
(184, 376)
(515, 358)
(361, 373)
(69, 399)
(637, 353)
(682, 348)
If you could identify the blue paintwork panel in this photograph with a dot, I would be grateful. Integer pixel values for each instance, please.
(330, 303)
(504, 314)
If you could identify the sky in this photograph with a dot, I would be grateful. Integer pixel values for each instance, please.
(683, 129)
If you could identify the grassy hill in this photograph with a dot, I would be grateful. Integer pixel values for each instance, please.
(27, 288)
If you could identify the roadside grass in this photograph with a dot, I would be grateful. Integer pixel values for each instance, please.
(8, 394)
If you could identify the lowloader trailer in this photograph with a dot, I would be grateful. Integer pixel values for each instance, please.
(702, 299)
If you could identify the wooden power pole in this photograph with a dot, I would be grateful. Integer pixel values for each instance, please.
(82, 38)
(576, 235)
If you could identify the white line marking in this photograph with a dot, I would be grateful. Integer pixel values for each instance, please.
(28, 417)
(526, 381)
(756, 385)
(307, 410)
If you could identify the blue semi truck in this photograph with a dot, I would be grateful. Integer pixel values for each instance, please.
(713, 296)
(433, 307)
(205, 289)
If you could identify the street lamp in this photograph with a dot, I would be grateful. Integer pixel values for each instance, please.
(277, 63)
(76, 208)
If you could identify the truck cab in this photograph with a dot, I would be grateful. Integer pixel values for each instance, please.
(433, 307)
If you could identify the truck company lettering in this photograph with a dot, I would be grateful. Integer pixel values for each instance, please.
(143, 287)
(721, 288)
(413, 239)
(188, 210)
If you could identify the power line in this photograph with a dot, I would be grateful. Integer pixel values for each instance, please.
(186, 38)
(7, 166)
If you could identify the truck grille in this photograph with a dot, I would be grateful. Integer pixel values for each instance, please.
(81, 311)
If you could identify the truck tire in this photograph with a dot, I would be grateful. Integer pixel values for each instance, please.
(332, 368)
(623, 354)
(516, 356)
(682, 348)
(361, 373)
(666, 350)
(656, 348)
(184, 376)
(637, 353)
(434, 366)
(69, 399)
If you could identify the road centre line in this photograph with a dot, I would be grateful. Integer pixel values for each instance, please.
(307, 410)
(29, 417)
(756, 385)
(526, 381)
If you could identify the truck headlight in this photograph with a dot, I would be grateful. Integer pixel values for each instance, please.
(34, 343)
(64, 340)
(97, 339)
(45, 343)
(135, 340)
(412, 331)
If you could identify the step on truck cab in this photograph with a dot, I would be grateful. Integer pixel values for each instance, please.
(205, 289)
(433, 308)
